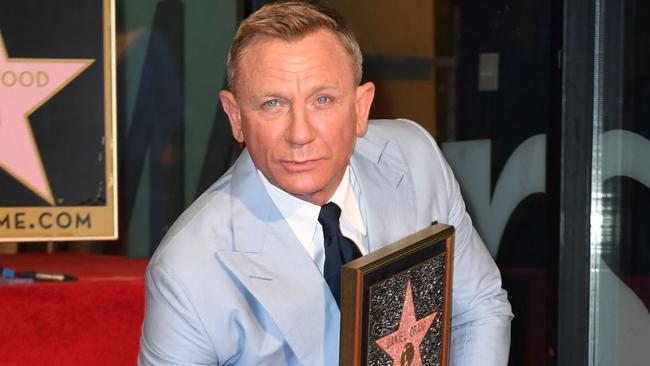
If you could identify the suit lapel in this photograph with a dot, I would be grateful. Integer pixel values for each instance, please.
(386, 190)
(296, 297)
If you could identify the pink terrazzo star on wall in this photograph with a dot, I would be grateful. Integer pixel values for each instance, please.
(403, 345)
(25, 85)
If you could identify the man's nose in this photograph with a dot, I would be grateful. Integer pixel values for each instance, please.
(300, 130)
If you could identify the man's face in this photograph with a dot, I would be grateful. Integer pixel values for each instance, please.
(298, 109)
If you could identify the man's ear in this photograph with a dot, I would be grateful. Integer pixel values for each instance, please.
(230, 106)
(365, 95)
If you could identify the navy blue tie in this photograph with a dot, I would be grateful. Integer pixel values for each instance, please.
(338, 249)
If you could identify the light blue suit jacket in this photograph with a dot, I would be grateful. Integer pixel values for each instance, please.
(231, 284)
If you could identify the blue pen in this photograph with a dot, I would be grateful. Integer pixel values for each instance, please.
(7, 272)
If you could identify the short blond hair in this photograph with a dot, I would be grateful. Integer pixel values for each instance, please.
(291, 21)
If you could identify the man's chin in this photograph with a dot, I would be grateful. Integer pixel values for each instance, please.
(314, 195)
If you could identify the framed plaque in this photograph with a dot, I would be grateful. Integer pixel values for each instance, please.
(396, 302)
(57, 120)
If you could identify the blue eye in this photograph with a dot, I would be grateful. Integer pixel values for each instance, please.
(271, 103)
(322, 100)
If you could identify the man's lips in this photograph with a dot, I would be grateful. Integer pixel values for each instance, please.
(299, 165)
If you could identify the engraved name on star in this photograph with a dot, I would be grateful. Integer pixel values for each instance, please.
(25, 85)
(403, 345)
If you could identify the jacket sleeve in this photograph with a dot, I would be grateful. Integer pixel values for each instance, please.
(481, 313)
(172, 333)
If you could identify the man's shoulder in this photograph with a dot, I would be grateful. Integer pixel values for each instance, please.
(408, 148)
(202, 226)
(410, 136)
(399, 125)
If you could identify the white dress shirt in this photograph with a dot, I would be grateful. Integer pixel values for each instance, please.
(302, 216)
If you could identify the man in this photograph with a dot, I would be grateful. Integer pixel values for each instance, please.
(239, 279)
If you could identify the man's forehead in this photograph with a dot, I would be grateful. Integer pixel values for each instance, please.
(317, 58)
(268, 42)
(293, 38)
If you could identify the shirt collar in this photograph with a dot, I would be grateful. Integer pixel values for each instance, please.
(302, 216)
(344, 197)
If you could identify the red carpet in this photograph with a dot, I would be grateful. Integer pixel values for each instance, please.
(93, 321)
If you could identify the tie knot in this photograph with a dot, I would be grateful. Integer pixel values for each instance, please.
(329, 216)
